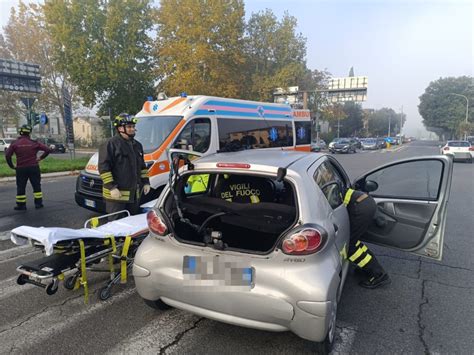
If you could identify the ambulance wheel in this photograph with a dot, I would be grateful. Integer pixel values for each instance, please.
(70, 282)
(52, 288)
(105, 293)
(21, 280)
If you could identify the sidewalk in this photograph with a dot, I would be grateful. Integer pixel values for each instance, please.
(45, 175)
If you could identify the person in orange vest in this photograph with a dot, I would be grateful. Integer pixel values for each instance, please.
(361, 208)
(27, 167)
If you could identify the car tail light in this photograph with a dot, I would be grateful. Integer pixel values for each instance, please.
(446, 148)
(305, 241)
(471, 149)
(155, 223)
(233, 165)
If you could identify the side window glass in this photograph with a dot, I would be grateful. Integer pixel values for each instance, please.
(329, 181)
(303, 132)
(184, 138)
(202, 135)
(254, 133)
(412, 180)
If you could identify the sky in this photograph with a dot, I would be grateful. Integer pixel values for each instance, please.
(400, 45)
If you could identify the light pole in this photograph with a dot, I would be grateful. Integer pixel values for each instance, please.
(467, 109)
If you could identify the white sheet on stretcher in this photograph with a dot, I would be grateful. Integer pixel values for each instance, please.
(49, 236)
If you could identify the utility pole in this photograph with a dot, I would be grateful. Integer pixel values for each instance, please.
(401, 124)
(389, 117)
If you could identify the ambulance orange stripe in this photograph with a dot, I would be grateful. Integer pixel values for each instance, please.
(303, 148)
(155, 169)
(156, 154)
(174, 103)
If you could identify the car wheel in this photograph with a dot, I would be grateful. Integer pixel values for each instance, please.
(327, 344)
(158, 304)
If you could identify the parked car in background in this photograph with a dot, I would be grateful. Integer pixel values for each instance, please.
(369, 144)
(343, 145)
(470, 139)
(358, 142)
(318, 146)
(55, 146)
(5, 143)
(279, 263)
(381, 143)
(459, 150)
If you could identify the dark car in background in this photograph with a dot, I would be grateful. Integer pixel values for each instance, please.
(343, 145)
(55, 146)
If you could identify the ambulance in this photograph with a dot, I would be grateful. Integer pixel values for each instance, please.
(205, 125)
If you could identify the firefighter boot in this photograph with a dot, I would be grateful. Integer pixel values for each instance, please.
(377, 275)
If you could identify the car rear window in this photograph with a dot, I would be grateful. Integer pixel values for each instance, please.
(458, 144)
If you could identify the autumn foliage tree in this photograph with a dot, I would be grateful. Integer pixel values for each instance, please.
(199, 47)
(105, 47)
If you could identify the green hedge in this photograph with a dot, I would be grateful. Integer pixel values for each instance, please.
(49, 165)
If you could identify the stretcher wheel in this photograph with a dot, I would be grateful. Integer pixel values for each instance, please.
(52, 288)
(105, 293)
(21, 280)
(70, 282)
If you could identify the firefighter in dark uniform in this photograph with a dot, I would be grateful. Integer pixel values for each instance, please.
(361, 208)
(122, 168)
(27, 167)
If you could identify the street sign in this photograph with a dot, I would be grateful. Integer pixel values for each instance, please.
(68, 117)
(43, 119)
(28, 102)
(20, 76)
(351, 88)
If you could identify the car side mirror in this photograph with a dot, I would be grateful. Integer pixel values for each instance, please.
(370, 186)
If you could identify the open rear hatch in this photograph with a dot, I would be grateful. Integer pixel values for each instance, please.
(232, 211)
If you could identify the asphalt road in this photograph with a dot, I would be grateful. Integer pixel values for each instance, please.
(428, 308)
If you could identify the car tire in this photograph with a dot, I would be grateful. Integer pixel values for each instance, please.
(158, 304)
(327, 344)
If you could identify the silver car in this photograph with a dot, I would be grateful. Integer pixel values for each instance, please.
(260, 238)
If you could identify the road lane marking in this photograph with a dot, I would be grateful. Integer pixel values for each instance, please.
(33, 329)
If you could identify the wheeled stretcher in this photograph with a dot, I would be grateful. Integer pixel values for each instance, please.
(70, 253)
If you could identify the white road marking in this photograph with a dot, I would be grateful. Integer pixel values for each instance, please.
(54, 320)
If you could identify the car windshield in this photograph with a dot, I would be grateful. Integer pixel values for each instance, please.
(153, 130)
(344, 141)
(459, 144)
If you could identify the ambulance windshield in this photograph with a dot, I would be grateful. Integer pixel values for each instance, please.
(153, 130)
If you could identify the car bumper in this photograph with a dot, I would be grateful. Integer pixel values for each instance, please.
(90, 202)
(460, 155)
(278, 301)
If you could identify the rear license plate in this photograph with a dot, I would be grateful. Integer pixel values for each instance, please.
(216, 271)
(89, 203)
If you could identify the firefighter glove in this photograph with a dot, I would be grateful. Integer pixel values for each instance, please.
(115, 194)
(146, 189)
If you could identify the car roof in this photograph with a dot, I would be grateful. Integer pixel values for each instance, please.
(264, 159)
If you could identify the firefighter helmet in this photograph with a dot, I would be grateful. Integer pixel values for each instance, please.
(124, 119)
(25, 130)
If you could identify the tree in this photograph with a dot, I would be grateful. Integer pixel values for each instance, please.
(26, 39)
(199, 47)
(443, 112)
(105, 47)
(353, 123)
(275, 54)
(379, 122)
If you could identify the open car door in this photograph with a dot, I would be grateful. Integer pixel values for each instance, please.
(412, 196)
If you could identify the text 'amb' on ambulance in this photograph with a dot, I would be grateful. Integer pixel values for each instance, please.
(205, 125)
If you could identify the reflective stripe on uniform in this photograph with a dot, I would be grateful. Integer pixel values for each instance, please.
(38, 194)
(347, 197)
(358, 253)
(20, 198)
(107, 177)
(254, 199)
(364, 261)
(125, 194)
(144, 173)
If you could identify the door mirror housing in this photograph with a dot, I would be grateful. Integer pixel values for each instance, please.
(370, 186)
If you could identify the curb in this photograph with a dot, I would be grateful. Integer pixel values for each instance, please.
(45, 175)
